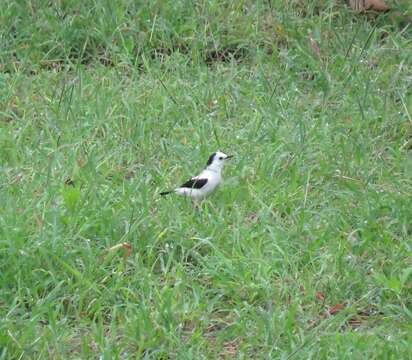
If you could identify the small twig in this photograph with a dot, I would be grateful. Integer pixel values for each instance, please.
(352, 41)
(168, 93)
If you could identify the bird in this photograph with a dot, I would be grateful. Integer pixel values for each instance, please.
(201, 186)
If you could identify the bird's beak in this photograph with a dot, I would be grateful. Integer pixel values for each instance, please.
(229, 156)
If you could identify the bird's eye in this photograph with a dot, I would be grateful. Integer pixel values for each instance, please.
(220, 158)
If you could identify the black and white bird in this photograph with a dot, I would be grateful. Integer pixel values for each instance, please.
(204, 184)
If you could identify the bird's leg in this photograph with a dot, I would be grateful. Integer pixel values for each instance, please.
(196, 203)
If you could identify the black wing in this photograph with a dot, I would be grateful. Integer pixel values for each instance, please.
(194, 183)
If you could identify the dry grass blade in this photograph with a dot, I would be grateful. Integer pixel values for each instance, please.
(124, 245)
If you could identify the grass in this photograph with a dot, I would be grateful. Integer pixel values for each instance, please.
(104, 105)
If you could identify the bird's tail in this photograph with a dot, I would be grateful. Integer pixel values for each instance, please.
(165, 193)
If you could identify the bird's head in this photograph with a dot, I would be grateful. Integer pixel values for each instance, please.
(217, 160)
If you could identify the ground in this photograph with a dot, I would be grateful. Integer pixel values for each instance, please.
(305, 250)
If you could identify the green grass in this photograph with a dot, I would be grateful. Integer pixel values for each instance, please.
(126, 100)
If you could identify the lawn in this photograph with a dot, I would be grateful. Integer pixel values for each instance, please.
(305, 250)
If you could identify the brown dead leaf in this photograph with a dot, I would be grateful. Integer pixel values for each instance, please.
(81, 162)
(319, 296)
(126, 246)
(315, 46)
(377, 5)
(324, 314)
(335, 309)
(363, 5)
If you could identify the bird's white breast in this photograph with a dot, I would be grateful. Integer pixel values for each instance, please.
(213, 180)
